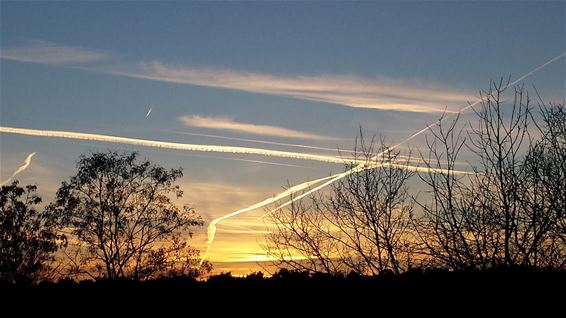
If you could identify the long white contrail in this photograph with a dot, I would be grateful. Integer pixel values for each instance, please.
(361, 167)
(479, 100)
(20, 169)
(148, 112)
(169, 145)
(266, 142)
(344, 158)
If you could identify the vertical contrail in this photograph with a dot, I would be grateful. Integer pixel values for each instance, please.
(359, 167)
(20, 169)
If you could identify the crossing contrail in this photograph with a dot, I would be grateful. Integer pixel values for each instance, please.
(20, 169)
(359, 167)
(169, 145)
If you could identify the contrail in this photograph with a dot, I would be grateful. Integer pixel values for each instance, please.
(265, 142)
(479, 100)
(148, 112)
(169, 145)
(254, 161)
(360, 167)
(266, 162)
(536, 69)
(20, 169)
(211, 230)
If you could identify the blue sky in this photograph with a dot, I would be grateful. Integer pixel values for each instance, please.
(253, 70)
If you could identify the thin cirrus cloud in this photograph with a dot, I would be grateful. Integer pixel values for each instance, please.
(351, 91)
(224, 123)
(45, 52)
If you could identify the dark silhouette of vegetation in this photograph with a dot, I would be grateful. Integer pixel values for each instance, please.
(362, 226)
(28, 237)
(123, 221)
(508, 211)
(508, 289)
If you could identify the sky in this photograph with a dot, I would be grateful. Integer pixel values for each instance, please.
(292, 80)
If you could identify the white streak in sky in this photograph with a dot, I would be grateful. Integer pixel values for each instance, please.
(211, 230)
(253, 161)
(170, 145)
(148, 112)
(223, 123)
(265, 142)
(20, 169)
(45, 52)
(356, 169)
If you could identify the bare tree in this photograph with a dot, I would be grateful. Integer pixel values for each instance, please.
(502, 136)
(509, 211)
(457, 226)
(362, 225)
(545, 195)
(506, 212)
(121, 215)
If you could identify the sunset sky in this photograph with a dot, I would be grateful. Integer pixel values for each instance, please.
(290, 77)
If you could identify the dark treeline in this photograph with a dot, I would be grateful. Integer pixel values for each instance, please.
(504, 290)
(114, 225)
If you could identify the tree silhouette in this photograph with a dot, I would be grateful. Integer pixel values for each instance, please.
(361, 226)
(508, 213)
(28, 237)
(545, 196)
(122, 217)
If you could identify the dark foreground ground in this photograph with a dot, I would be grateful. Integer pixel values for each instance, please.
(530, 292)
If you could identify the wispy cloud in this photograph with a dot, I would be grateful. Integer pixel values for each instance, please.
(224, 123)
(45, 52)
(352, 91)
